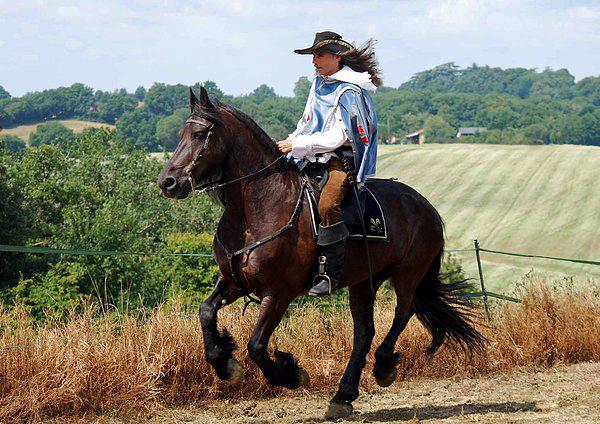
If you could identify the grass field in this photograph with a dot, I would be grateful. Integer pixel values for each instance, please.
(541, 200)
(24, 131)
(114, 364)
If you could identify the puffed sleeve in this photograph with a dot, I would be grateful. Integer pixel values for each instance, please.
(321, 142)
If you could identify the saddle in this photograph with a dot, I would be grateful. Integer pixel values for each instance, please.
(373, 215)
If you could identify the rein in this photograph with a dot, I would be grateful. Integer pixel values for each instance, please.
(216, 185)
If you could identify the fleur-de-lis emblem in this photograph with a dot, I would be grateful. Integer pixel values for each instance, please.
(376, 225)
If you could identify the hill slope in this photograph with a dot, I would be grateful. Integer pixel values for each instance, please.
(528, 199)
(24, 131)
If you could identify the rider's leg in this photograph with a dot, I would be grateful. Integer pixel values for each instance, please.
(332, 230)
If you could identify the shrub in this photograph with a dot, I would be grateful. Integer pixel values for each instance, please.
(12, 143)
(52, 294)
(188, 278)
(51, 133)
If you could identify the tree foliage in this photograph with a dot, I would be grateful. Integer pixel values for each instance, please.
(4, 94)
(97, 194)
(51, 133)
(11, 143)
(515, 102)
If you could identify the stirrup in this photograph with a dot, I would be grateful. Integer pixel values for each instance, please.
(321, 277)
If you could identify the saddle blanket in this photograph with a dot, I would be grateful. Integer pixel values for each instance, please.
(374, 218)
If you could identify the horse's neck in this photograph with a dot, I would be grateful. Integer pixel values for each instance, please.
(260, 201)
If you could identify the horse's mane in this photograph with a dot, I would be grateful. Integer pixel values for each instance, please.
(212, 114)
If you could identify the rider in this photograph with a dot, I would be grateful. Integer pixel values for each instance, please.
(338, 128)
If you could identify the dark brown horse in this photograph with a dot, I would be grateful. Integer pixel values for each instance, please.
(264, 246)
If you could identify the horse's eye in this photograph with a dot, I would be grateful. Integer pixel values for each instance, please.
(197, 135)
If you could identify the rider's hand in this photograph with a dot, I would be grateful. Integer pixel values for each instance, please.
(285, 146)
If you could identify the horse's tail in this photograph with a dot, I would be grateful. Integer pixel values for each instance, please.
(446, 316)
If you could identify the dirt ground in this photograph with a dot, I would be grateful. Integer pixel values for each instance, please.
(564, 394)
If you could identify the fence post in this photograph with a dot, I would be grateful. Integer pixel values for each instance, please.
(483, 291)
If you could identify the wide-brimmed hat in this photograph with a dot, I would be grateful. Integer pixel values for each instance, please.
(327, 41)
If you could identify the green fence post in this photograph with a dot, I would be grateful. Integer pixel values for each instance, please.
(483, 291)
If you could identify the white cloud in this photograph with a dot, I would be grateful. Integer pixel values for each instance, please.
(241, 44)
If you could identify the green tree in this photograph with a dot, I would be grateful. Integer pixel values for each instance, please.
(302, 89)
(13, 223)
(536, 134)
(554, 84)
(440, 78)
(167, 128)
(113, 106)
(138, 127)
(4, 94)
(590, 88)
(11, 143)
(50, 133)
(437, 130)
(163, 99)
(263, 92)
(211, 88)
(140, 93)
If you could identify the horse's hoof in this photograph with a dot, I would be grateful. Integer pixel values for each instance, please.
(304, 378)
(388, 380)
(235, 371)
(338, 410)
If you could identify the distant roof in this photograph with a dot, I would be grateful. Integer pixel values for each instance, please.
(471, 130)
(414, 134)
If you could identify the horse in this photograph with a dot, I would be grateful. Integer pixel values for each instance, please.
(264, 246)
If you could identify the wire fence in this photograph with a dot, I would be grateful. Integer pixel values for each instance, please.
(484, 293)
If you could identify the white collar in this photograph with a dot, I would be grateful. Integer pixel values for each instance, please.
(347, 74)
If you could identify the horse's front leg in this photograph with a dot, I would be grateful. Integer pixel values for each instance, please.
(218, 346)
(361, 307)
(284, 370)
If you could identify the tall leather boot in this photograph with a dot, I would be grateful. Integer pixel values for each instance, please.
(332, 240)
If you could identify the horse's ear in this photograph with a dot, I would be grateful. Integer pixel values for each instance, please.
(193, 99)
(204, 100)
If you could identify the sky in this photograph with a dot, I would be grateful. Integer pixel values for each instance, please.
(241, 44)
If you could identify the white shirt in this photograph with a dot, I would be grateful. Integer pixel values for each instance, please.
(335, 133)
(307, 146)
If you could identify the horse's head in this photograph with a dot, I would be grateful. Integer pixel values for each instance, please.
(200, 152)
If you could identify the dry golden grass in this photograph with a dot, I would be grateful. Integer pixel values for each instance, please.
(92, 364)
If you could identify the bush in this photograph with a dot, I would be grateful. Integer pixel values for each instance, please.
(167, 129)
(53, 294)
(51, 133)
(12, 143)
(186, 278)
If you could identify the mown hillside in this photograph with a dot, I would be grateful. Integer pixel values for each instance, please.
(24, 131)
(528, 199)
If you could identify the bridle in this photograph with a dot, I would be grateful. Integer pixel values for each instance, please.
(215, 185)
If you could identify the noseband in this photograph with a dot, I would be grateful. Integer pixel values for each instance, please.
(215, 185)
(192, 164)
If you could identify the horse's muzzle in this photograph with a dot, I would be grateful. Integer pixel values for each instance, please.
(174, 189)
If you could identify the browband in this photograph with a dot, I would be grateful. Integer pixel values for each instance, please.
(198, 121)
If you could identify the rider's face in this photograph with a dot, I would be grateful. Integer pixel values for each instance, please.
(326, 63)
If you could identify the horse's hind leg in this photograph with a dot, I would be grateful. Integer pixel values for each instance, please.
(219, 346)
(361, 307)
(405, 279)
(284, 371)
